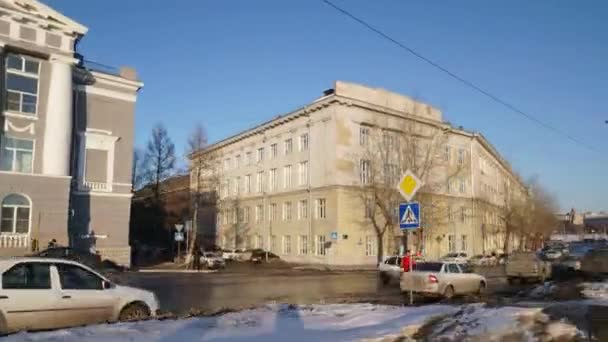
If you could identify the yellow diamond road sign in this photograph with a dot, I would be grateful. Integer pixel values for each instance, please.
(408, 185)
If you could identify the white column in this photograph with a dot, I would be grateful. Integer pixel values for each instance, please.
(58, 121)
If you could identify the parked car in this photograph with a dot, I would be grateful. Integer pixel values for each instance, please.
(444, 279)
(92, 260)
(390, 269)
(527, 266)
(212, 260)
(595, 262)
(46, 293)
(572, 263)
(483, 260)
(233, 254)
(459, 258)
(259, 255)
(552, 254)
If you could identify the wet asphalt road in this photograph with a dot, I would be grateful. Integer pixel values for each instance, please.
(233, 289)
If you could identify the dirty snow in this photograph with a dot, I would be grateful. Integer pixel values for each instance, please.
(334, 322)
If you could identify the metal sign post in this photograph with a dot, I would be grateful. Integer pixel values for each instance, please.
(179, 237)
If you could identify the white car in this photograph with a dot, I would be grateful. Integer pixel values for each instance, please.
(43, 293)
(233, 255)
(212, 260)
(442, 279)
(458, 258)
(390, 269)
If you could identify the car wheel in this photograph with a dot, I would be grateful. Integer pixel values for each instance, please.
(482, 288)
(134, 311)
(384, 278)
(448, 293)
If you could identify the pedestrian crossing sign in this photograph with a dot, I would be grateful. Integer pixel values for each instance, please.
(409, 215)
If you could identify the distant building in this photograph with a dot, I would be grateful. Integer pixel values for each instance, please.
(596, 222)
(66, 142)
(293, 184)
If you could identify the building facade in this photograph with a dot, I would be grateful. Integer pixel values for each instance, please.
(66, 138)
(294, 185)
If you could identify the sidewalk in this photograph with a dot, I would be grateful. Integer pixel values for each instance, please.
(344, 268)
(171, 267)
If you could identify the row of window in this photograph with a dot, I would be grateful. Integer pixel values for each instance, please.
(452, 243)
(15, 214)
(237, 186)
(302, 244)
(236, 162)
(236, 215)
(36, 276)
(22, 76)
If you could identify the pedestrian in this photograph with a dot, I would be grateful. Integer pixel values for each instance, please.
(405, 262)
(196, 255)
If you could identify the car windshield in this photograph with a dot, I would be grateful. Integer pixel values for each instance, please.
(428, 266)
(451, 255)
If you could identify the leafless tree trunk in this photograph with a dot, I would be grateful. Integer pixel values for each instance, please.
(159, 157)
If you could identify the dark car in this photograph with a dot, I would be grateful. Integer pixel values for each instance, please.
(89, 259)
(258, 255)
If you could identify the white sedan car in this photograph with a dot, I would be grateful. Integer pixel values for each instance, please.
(459, 258)
(442, 279)
(42, 293)
(390, 269)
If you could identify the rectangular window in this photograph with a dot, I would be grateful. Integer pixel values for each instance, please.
(260, 155)
(463, 243)
(286, 244)
(286, 211)
(260, 182)
(365, 171)
(303, 173)
(235, 185)
(273, 243)
(463, 185)
(249, 157)
(451, 243)
(363, 135)
(288, 146)
(16, 155)
(304, 142)
(391, 174)
(449, 186)
(27, 276)
(463, 214)
(272, 212)
(302, 209)
(450, 214)
(22, 84)
(370, 245)
(248, 184)
(320, 245)
(320, 209)
(272, 179)
(259, 242)
(246, 214)
(273, 151)
(447, 153)
(226, 164)
(237, 161)
(369, 208)
(303, 245)
(461, 154)
(259, 213)
(287, 176)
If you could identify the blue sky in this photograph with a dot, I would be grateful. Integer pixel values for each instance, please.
(231, 64)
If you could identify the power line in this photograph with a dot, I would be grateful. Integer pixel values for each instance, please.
(460, 79)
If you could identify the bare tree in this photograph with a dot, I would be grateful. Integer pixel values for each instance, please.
(138, 172)
(386, 155)
(159, 157)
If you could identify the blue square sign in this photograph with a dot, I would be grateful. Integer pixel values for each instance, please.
(409, 215)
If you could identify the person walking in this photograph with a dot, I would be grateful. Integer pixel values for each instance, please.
(405, 262)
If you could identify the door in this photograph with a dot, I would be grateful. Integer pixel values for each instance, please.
(83, 296)
(457, 279)
(29, 298)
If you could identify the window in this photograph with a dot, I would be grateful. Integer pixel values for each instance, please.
(363, 135)
(237, 161)
(449, 186)
(273, 151)
(73, 277)
(249, 158)
(369, 208)
(260, 155)
(259, 213)
(320, 210)
(391, 174)
(463, 242)
(248, 184)
(303, 173)
(15, 215)
(273, 243)
(235, 215)
(16, 155)
(259, 243)
(370, 245)
(246, 214)
(320, 245)
(461, 154)
(29, 275)
(304, 142)
(22, 84)
(365, 171)
(463, 214)
(272, 179)
(227, 164)
(260, 182)
(235, 185)
(447, 153)
(288, 146)
(302, 209)
(286, 244)
(286, 211)
(303, 245)
(272, 211)
(390, 141)
(450, 214)
(451, 243)
(463, 185)
(453, 268)
(287, 176)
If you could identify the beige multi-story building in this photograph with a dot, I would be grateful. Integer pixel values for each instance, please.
(66, 138)
(294, 185)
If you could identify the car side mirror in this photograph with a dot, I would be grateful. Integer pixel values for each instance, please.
(107, 285)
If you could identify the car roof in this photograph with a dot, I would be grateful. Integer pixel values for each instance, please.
(7, 262)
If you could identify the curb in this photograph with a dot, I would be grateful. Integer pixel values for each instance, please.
(175, 271)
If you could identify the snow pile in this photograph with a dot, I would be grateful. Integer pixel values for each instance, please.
(546, 289)
(477, 323)
(595, 290)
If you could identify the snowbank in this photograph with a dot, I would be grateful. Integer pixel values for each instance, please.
(336, 322)
(595, 290)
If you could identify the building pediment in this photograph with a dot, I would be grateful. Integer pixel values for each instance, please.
(37, 12)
